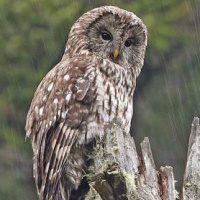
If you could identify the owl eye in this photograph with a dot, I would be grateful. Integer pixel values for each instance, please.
(128, 43)
(106, 35)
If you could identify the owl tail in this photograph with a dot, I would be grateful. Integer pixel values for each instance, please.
(71, 177)
(63, 191)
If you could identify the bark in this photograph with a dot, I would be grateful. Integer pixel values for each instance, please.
(119, 173)
(191, 184)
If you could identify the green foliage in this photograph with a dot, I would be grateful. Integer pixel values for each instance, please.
(32, 40)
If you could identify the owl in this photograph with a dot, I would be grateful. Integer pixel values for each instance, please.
(91, 86)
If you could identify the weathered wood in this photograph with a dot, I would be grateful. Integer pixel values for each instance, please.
(191, 184)
(148, 179)
(115, 166)
(168, 183)
(119, 173)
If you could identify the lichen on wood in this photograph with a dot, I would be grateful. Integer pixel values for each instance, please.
(117, 172)
(112, 173)
(191, 185)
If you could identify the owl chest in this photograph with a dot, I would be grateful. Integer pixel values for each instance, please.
(111, 101)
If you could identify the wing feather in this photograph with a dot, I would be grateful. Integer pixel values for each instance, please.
(54, 120)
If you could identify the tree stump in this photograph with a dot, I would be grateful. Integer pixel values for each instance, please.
(191, 183)
(119, 173)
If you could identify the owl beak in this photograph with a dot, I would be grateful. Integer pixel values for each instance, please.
(116, 53)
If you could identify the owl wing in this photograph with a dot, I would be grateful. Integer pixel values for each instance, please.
(58, 110)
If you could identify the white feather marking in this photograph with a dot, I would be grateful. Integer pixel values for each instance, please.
(42, 189)
(99, 98)
(79, 91)
(44, 98)
(72, 179)
(36, 109)
(41, 111)
(63, 115)
(68, 131)
(80, 80)
(91, 75)
(61, 124)
(62, 191)
(55, 174)
(65, 150)
(53, 144)
(50, 175)
(86, 52)
(60, 153)
(106, 104)
(57, 149)
(101, 92)
(66, 77)
(28, 133)
(55, 101)
(47, 167)
(92, 124)
(114, 102)
(112, 90)
(50, 86)
(99, 80)
(68, 96)
(80, 161)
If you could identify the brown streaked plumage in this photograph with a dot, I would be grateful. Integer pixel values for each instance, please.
(92, 84)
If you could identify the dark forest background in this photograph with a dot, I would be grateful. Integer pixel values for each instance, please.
(33, 34)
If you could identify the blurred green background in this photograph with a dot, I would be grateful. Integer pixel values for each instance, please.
(33, 34)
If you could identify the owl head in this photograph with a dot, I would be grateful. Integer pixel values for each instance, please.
(110, 33)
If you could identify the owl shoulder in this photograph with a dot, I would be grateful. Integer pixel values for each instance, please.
(64, 85)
